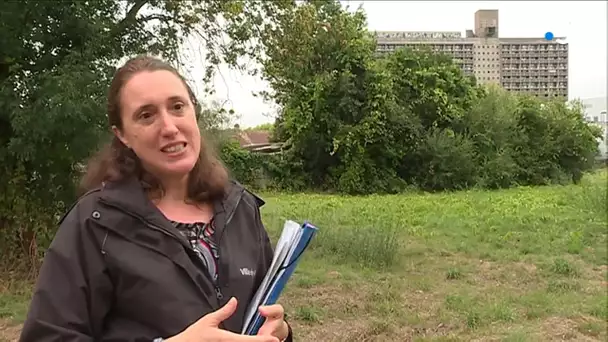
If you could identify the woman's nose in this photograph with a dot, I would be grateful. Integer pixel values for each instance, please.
(168, 126)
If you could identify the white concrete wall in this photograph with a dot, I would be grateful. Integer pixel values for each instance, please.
(595, 112)
(595, 109)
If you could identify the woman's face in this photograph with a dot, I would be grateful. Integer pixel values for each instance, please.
(159, 123)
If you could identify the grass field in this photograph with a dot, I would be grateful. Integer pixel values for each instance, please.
(526, 264)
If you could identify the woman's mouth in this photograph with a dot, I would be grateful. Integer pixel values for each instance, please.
(174, 148)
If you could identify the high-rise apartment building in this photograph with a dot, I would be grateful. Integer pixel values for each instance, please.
(531, 65)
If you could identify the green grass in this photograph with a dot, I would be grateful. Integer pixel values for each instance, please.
(524, 264)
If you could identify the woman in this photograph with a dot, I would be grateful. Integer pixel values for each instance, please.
(163, 245)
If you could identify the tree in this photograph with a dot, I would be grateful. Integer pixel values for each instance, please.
(357, 122)
(318, 67)
(556, 144)
(435, 96)
(55, 66)
(492, 125)
(432, 86)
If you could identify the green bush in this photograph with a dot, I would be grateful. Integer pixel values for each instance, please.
(261, 171)
(450, 161)
(243, 165)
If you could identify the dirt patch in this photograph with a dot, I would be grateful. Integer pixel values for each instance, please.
(364, 329)
(596, 279)
(563, 329)
(517, 266)
(363, 311)
(9, 332)
(490, 275)
(329, 331)
(328, 300)
(530, 268)
(600, 272)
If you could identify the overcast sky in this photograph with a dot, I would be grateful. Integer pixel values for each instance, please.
(582, 22)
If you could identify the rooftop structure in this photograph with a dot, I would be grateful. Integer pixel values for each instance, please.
(530, 65)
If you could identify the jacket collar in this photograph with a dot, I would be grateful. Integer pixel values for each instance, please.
(130, 195)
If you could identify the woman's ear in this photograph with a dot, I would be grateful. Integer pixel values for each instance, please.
(120, 136)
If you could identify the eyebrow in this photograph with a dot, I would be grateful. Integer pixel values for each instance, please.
(176, 98)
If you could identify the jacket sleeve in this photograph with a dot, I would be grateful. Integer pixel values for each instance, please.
(267, 253)
(73, 293)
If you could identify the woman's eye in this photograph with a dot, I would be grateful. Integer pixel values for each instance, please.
(178, 106)
(145, 115)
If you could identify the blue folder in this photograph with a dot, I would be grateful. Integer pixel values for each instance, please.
(296, 241)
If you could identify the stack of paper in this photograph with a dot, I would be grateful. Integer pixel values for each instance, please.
(291, 245)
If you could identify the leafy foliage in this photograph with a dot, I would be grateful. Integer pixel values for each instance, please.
(55, 67)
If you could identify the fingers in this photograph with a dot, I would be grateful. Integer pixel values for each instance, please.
(267, 329)
(274, 317)
(266, 338)
(272, 311)
(232, 337)
(215, 318)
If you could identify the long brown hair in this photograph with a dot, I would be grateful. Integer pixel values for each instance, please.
(115, 161)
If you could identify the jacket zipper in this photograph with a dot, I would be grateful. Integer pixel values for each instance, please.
(216, 283)
(218, 291)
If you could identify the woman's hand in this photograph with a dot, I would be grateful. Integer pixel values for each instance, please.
(275, 324)
(207, 329)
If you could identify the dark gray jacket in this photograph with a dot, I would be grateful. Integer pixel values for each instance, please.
(118, 270)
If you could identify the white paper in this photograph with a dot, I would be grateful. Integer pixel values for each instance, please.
(282, 252)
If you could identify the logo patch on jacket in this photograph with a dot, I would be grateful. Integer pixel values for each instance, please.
(247, 272)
